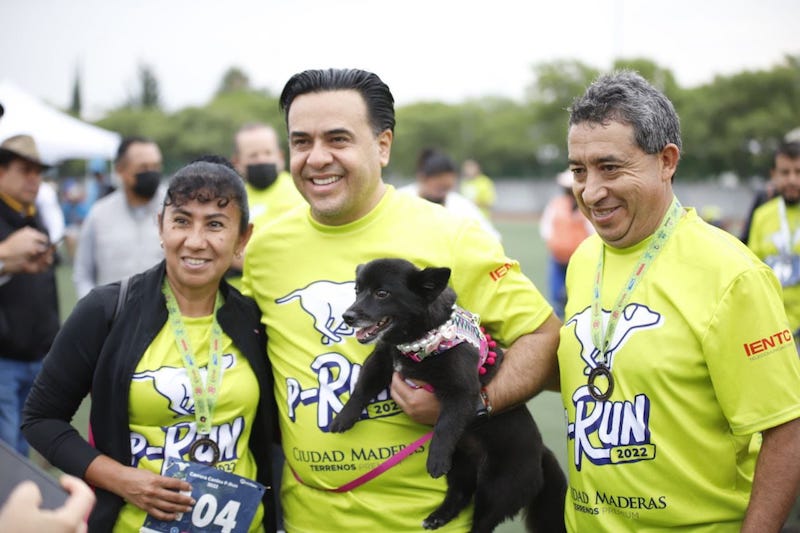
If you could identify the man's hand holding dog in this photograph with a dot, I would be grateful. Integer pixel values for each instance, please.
(415, 401)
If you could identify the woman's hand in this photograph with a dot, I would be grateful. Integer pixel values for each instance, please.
(415, 401)
(160, 496)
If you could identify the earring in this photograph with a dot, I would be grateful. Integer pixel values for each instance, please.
(161, 243)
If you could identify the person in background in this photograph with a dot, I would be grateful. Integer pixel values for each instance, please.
(119, 236)
(258, 158)
(712, 213)
(562, 227)
(679, 377)
(49, 208)
(74, 209)
(477, 187)
(175, 369)
(775, 229)
(300, 269)
(29, 317)
(762, 196)
(436, 180)
(97, 183)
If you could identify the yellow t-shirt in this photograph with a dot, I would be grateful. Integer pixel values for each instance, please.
(480, 190)
(767, 239)
(702, 360)
(301, 274)
(276, 199)
(267, 204)
(161, 410)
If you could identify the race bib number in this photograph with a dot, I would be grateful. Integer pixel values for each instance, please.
(226, 503)
(786, 268)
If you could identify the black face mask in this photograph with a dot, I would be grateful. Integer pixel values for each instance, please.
(262, 175)
(147, 183)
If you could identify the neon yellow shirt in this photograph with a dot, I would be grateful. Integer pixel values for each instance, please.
(702, 360)
(767, 238)
(266, 204)
(302, 275)
(480, 190)
(161, 410)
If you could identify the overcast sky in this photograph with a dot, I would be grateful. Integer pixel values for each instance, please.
(447, 50)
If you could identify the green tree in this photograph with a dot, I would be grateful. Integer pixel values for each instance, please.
(149, 96)
(735, 122)
(234, 80)
(555, 85)
(559, 82)
(210, 129)
(419, 126)
(729, 124)
(75, 104)
(661, 78)
(497, 133)
(152, 123)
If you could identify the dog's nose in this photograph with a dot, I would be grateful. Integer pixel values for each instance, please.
(349, 317)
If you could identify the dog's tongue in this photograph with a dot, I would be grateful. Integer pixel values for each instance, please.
(365, 333)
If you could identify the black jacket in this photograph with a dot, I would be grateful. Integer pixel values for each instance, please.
(28, 302)
(93, 354)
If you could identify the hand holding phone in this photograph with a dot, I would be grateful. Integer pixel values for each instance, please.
(34, 501)
(17, 469)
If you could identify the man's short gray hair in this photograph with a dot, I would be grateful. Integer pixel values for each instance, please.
(625, 96)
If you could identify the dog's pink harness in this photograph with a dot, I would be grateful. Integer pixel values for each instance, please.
(462, 326)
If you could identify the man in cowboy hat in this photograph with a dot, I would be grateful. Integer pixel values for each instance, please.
(29, 316)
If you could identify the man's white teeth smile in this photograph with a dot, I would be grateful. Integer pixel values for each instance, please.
(602, 212)
(195, 261)
(326, 181)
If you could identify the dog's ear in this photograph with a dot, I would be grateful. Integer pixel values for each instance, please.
(359, 268)
(430, 282)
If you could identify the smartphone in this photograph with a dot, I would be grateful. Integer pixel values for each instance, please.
(16, 468)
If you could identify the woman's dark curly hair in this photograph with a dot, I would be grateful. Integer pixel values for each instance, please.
(207, 179)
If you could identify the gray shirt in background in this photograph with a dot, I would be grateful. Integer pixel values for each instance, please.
(117, 241)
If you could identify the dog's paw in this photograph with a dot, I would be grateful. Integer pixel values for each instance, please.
(434, 521)
(340, 424)
(438, 465)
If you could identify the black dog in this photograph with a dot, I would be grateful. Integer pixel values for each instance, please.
(500, 460)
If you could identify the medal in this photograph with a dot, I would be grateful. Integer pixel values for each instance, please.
(201, 448)
(602, 337)
(601, 371)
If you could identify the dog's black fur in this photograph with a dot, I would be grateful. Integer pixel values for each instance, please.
(500, 460)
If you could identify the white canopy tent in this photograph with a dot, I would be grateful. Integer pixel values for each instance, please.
(58, 135)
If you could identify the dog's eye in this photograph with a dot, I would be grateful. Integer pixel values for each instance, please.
(381, 294)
